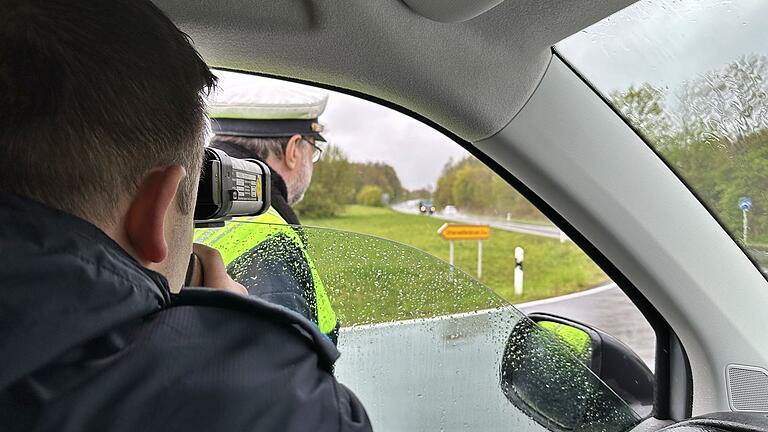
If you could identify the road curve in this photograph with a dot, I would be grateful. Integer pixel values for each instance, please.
(550, 231)
(605, 307)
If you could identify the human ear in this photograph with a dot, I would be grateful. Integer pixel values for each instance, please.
(146, 217)
(293, 152)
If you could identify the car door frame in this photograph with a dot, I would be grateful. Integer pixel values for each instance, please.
(685, 353)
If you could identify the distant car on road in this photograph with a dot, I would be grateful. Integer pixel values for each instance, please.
(426, 207)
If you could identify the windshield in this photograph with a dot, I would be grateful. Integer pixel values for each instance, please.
(424, 345)
(692, 77)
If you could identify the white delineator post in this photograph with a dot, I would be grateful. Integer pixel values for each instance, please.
(518, 280)
(450, 251)
(479, 259)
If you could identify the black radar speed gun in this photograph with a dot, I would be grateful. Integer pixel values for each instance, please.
(230, 187)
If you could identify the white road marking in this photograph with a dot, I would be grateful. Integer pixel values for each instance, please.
(566, 297)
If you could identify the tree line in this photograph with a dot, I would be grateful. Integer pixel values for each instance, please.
(472, 187)
(337, 182)
(713, 131)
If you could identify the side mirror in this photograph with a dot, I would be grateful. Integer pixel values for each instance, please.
(571, 377)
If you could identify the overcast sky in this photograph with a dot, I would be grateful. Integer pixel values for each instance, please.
(370, 132)
(667, 42)
(663, 42)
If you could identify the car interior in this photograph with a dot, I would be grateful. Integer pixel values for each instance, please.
(493, 76)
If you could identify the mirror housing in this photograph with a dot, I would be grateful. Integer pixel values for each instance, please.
(611, 360)
(554, 369)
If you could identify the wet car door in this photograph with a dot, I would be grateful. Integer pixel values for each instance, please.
(425, 346)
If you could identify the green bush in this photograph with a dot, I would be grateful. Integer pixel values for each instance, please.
(322, 204)
(371, 196)
(332, 186)
(473, 187)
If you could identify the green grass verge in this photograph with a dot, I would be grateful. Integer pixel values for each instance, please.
(551, 268)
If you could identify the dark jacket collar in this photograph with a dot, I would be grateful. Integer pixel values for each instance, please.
(63, 282)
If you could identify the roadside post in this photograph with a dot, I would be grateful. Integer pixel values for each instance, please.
(479, 259)
(518, 279)
(745, 204)
(452, 232)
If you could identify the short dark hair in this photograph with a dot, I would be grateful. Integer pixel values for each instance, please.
(251, 147)
(93, 95)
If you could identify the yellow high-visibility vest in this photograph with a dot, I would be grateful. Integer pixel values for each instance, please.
(241, 235)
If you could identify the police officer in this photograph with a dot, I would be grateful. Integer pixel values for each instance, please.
(277, 124)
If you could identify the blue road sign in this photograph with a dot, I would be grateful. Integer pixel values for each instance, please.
(745, 203)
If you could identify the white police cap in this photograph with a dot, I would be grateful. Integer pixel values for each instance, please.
(264, 107)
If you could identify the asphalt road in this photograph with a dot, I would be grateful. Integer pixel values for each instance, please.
(606, 307)
(411, 207)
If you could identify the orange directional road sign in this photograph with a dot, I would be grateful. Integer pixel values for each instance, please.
(465, 232)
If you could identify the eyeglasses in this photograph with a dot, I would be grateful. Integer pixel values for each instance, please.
(319, 148)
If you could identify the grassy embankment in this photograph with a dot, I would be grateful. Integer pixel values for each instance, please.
(371, 282)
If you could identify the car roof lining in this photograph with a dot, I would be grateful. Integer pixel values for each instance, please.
(470, 77)
(451, 10)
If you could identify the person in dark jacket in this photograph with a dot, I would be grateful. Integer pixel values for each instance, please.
(102, 125)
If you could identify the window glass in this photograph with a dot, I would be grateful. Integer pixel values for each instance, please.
(418, 252)
(414, 362)
(692, 76)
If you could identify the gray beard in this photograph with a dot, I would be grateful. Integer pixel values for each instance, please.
(299, 186)
(293, 200)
